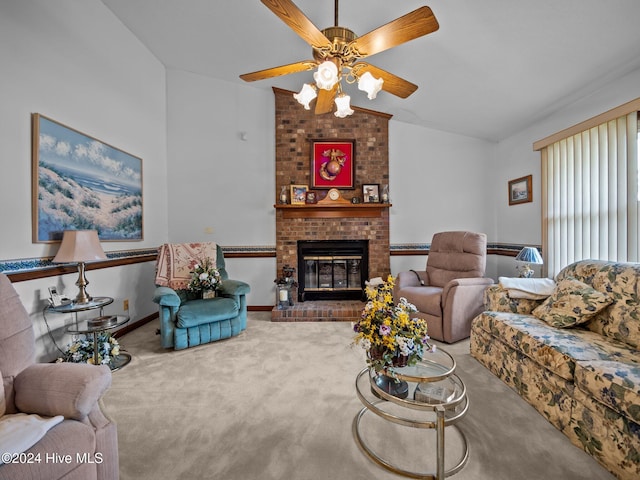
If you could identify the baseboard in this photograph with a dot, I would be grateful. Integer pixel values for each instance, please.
(131, 326)
(260, 308)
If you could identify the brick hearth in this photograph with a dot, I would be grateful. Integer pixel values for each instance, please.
(320, 311)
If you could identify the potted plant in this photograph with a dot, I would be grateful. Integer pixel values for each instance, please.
(388, 333)
(82, 350)
(205, 279)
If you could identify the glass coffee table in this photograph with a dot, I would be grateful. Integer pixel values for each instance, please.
(435, 399)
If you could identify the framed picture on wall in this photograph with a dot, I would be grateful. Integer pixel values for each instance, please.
(299, 194)
(371, 192)
(333, 163)
(520, 190)
(80, 182)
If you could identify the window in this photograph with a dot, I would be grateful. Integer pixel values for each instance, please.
(591, 190)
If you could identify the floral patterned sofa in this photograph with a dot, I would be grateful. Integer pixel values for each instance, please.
(574, 356)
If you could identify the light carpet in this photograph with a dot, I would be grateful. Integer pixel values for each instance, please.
(278, 402)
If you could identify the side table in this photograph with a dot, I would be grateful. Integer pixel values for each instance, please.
(84, 327)
(436, 399)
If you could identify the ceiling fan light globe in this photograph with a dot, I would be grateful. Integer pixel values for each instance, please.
(306, 95)
(368, 83)
(344, 109)
(327, 75)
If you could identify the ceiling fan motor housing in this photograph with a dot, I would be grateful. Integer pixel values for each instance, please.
(339, 37)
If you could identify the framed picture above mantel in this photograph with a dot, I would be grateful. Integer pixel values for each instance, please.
(333, 163)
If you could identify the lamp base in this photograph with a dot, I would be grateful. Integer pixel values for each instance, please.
(526, 271)
(83, 296)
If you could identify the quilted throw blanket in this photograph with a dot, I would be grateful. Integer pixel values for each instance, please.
(177, 260)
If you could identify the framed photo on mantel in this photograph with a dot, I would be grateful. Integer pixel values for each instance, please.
(371, 193)
(332, 163)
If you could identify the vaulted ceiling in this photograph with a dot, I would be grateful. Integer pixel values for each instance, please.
(493, 68)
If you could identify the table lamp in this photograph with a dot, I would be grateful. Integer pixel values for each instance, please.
(528, 255)
(80, 246)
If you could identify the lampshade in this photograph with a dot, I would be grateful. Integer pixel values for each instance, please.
(344, 109)
(306, 95)
(368, 83)
(529, 255)
(79, 246)
(327, 75)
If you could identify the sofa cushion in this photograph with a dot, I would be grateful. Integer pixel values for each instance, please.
(198, 312)
(620, 281)
(555, 349)
(621, 323)
(572, 303)
(614, 383)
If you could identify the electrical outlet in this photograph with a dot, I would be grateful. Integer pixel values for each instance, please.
(125, 304)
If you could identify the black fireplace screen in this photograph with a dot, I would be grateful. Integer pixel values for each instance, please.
(332, 269)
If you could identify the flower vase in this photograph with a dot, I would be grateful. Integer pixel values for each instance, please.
(386, 383)
(392, 386)
(208, 294)
(377, 353)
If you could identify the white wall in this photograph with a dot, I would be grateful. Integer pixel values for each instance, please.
(438, 181)
(221, 187)
(515, 158)
(76, 63)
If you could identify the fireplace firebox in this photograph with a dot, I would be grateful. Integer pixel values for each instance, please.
(332, 269)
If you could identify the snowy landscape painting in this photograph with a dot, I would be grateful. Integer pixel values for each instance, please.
(81, 183)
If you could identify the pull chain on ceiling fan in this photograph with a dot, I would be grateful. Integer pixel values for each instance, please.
(338, 54)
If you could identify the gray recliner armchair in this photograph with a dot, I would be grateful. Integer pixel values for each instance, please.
(86, 439)
(449, 293)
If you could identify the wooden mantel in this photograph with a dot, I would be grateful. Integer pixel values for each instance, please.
(352, 210)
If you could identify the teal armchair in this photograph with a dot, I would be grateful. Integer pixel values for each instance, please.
(186, 320)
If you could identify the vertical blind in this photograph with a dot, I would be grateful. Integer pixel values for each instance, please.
(590, 194)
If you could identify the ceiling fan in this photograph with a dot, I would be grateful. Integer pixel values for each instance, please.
(338, 53)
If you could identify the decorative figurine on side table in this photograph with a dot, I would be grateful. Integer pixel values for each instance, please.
(284, 285)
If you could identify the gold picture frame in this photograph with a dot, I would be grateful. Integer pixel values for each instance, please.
(299, 194)
(520, 190)
(80, 182)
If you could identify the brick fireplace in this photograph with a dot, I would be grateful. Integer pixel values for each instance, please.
(295, 129)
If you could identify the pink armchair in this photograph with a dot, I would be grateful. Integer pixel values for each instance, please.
(449, 293)
(85, 436)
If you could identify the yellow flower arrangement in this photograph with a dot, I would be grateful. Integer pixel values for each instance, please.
(386, 330)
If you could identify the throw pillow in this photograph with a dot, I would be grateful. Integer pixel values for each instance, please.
(572, 303)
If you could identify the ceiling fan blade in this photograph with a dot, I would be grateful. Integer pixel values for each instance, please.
(290, 14)
(408, 27)
(278, 71)
(324, 102)
(392, 83)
